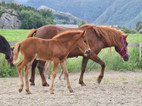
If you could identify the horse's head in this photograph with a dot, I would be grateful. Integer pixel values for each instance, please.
(9, 57)
(83, 45)
(121, 47)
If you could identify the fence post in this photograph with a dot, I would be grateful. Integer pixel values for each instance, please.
(140, 45)
(110, 53)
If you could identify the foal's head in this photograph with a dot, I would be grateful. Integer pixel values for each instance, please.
(83, 44)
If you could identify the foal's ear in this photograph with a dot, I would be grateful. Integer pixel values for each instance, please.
(83, 34)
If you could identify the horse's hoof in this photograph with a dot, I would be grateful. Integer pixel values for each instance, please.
(45, 84)
(28, 91)
(99, 79)
(71, 91)
(32, 84)
(20, 90)
(51, 92)
(82, 83)
(48, 77)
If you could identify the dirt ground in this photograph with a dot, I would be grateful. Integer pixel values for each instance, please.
(116, 89)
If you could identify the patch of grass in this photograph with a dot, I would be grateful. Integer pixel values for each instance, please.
(14, 35)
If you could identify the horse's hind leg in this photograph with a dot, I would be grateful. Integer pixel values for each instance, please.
(32, 79)
(63, 65)
(41, 70)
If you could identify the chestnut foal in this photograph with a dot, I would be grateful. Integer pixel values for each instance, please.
(56, 50)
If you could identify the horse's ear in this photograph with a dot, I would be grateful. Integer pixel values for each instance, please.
(12, 48)
(83, 34)
(125, 36)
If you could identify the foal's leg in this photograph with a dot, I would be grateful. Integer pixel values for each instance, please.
(19, 69)
(62, 71)
(47, 66)
(63, 65)
(41, 70)
(83, 67)
(32, 79)
(54, 72)
(26, 72)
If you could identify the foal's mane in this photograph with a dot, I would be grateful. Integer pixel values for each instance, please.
(110, 35)
(67, 34)
(4, 45)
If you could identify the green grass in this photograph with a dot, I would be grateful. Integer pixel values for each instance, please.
(14, 35)
(74, 64)
(135, 38)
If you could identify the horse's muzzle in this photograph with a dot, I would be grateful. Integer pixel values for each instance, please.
(88, 51)
(126, 58)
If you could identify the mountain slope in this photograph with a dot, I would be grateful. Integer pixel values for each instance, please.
(108, 12)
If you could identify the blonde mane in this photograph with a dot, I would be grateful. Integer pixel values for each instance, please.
(110, 35)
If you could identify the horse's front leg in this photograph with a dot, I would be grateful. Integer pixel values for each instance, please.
(54, 72)
(64, 69)
(32, 79)
(83, 67)
(95, 58)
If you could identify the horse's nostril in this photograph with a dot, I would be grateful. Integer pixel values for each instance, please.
(87, 52)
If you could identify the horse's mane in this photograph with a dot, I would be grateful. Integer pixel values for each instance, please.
(4, 45)
(67, 34)
(110, 35)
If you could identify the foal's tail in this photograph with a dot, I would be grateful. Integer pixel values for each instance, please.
(16, 52)
(31, 33)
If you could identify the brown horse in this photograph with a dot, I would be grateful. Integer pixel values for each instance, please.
(99, 37)
(56, 50)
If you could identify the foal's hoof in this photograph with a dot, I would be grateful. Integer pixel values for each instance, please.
(71, 91)
(51, 92)
(20, 90)
(28, 91)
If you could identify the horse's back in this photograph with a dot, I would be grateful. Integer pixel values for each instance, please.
(49, 31)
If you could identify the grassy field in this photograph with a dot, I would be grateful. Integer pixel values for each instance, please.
(74, 64)
(19, 35)
(14, 35)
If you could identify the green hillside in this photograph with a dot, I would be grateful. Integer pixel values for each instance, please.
(116, 12)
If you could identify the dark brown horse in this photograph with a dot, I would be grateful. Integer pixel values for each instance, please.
(55, 49)
(99, 37)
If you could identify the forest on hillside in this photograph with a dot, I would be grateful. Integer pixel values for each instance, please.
(30, 17)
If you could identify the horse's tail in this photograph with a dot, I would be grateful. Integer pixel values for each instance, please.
(31, 33)
(16, 52)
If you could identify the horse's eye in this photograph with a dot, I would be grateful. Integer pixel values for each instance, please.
(85, 41)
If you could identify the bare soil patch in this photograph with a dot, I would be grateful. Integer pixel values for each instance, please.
(116, 89)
